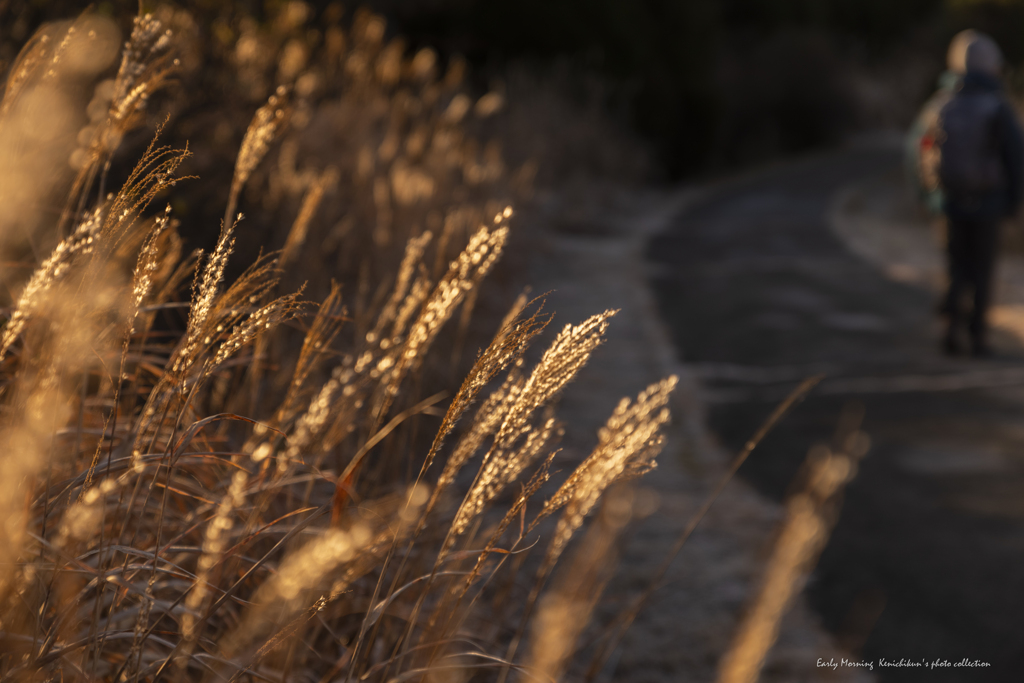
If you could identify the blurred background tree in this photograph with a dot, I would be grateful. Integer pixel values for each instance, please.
(720, 83)
(710, 84)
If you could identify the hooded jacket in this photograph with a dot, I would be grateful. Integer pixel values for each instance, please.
(1009, 141)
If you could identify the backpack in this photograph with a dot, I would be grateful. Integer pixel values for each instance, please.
(921, 151)
(964, 155)
(928, 154)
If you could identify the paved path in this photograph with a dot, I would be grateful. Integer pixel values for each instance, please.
(927, 559)
(589, 255)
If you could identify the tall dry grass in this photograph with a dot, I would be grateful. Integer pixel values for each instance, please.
(211, 477)
(810, 513)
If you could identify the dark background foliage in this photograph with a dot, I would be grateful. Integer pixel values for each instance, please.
(715, 83)
(710, 84)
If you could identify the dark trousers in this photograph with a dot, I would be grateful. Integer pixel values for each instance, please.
(972, 247)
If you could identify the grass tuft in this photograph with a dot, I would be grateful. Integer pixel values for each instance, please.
(234, 482)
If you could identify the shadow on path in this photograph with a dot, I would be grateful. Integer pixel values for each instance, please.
(927, 559)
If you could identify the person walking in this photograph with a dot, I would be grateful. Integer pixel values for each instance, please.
(980, 168)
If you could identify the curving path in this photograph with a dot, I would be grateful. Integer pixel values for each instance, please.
(586, 250)
(927, 559)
